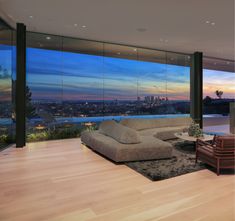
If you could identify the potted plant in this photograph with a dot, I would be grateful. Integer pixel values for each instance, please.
(195, 130)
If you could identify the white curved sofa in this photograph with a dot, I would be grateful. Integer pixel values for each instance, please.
(135, 139)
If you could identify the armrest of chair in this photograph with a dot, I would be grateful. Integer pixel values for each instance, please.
(206, 146)
(203, 143)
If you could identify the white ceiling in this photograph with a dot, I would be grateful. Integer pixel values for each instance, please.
(174, 25)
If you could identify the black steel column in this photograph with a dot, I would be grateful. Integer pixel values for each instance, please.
(20, 84)
(196, 90)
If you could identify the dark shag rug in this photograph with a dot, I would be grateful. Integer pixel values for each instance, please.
(182, 162)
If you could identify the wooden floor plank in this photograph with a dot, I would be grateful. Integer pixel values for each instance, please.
(63, 180)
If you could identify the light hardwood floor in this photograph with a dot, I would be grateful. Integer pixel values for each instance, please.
(64, 181)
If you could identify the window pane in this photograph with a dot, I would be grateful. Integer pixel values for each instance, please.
(152, 82)
(82, 82)
(120, 80)
(178, 83)
(6, 69)
(218, 94)
(44, 107)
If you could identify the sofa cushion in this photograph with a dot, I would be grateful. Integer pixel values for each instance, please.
(162, 133)
(142, 124)
(169, 133)
(154, 131)
(148, 132)
(119, 132)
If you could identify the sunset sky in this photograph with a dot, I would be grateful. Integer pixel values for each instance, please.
(76, 76)
(218, 80)
(55, 75)
(5, 76)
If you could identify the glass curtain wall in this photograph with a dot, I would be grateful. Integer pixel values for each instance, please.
(75, 84)
(178, 83)
(218, 95)
(152, 83)
(120, 81)
(7, 82)
(44, 91)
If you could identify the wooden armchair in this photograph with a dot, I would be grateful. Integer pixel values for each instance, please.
(219, 154)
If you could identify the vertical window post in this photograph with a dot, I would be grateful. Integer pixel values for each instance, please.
(196, 89)
(20, 84)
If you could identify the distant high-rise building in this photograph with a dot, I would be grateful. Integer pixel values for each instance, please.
(149, 99)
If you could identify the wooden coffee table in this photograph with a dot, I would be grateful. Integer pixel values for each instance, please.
(185, 136)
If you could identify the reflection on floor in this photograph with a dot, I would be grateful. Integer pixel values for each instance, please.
(223, 129)
(216, 124)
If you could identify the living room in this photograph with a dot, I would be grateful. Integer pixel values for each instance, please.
(129, 104)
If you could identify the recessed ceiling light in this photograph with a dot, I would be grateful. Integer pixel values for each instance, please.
(48, 38)
(75, 25)
(141, 29)
(210, 22)
(30, 16)
(163, 40)
(84, 26)
(10, 16)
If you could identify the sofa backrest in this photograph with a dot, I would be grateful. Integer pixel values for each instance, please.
(119, 132)
(226, 141)
(141, 124)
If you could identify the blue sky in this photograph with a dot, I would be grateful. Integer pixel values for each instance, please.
(88, 77)
(5, 72)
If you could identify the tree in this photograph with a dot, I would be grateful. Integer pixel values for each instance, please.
(207, 100)
(30, 109)
(4, 73)
(219, 93)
